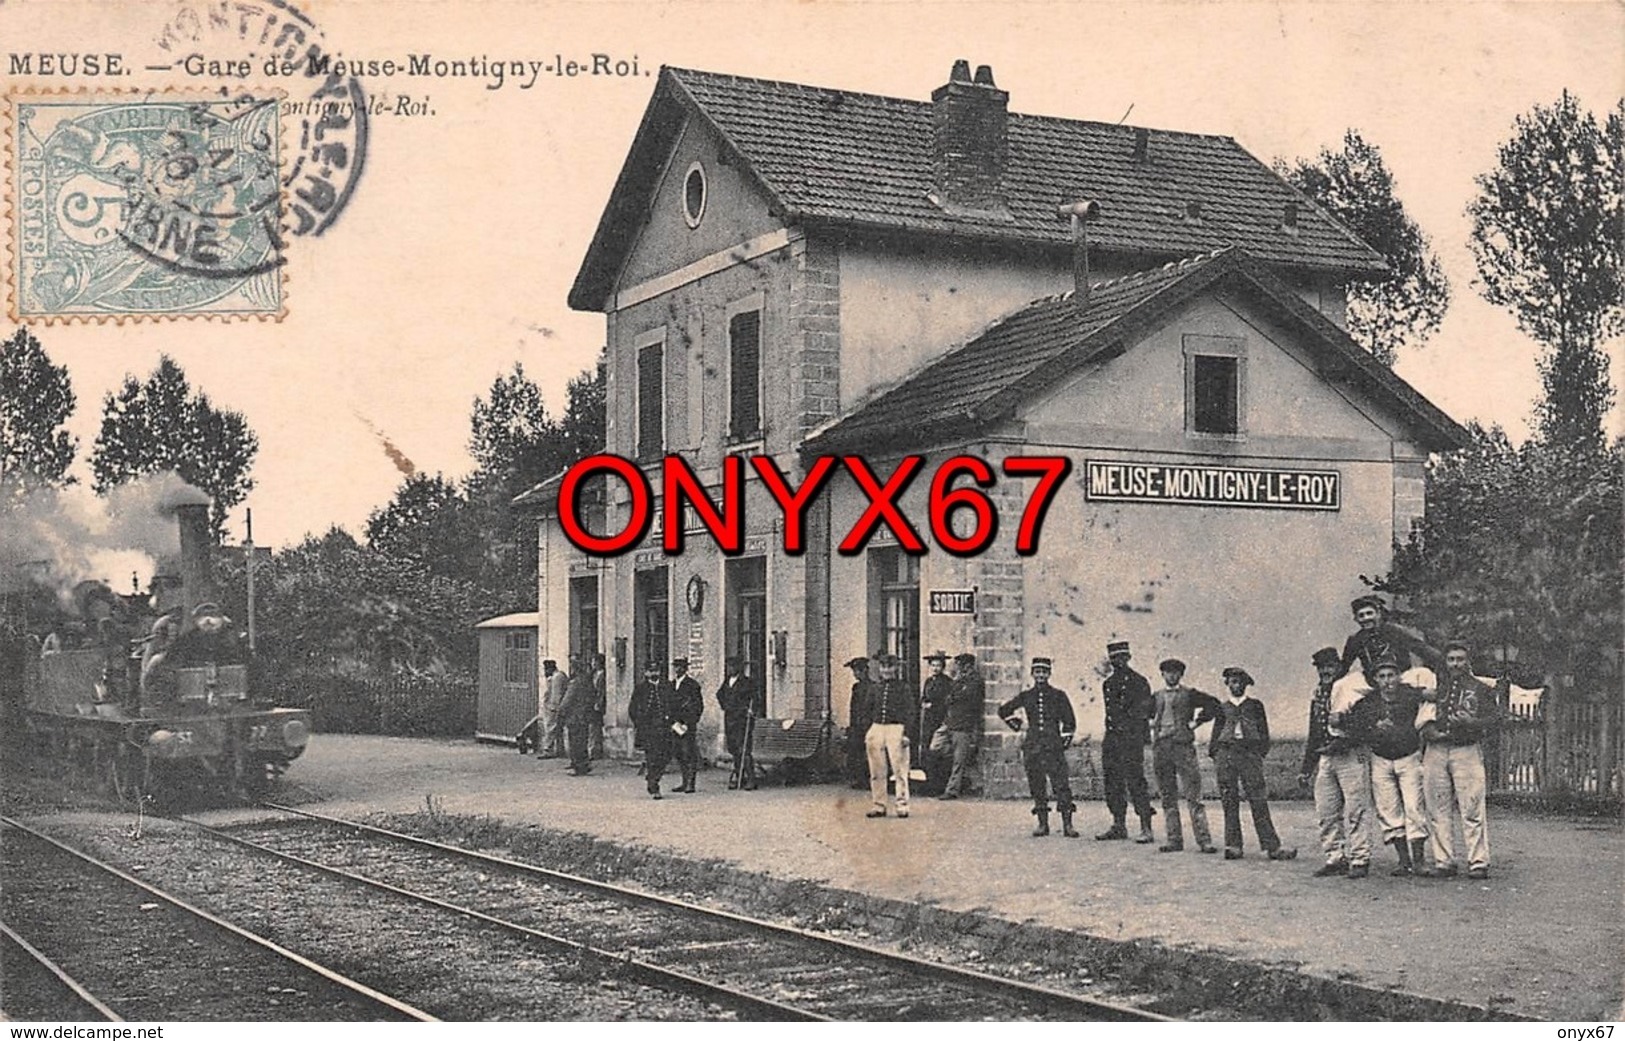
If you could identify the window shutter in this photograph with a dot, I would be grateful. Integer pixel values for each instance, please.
(745, 375)
(651, 401)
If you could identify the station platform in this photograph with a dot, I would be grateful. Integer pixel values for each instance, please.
(1543, 937)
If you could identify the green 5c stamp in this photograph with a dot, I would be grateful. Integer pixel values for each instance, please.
(144, 206)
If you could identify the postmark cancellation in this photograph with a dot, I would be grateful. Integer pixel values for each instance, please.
(144, 206)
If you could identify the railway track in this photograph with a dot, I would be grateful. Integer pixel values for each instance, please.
(135, 951)
(763, 969)
(38, 988)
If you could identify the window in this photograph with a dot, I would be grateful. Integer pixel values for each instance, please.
(694, 195)
(518, 658)
(745, 376)
(651, 401)
(1215, 385)
(1215, 394)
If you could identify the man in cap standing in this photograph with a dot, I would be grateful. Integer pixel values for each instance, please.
(894, 710)
(576, 714)
(859, 712)
(934, 693)
(1179, 711)
(651, 711)
(741, 702)
(1396, 768)
(1453, 765)
(967, 698)
(688, 705)
(1050, 726)
(1241, 739)
(1337, 769)
(1129, 707)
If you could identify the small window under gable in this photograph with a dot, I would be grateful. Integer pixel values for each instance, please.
(745, 376)
(651, 400)
(1215, 376)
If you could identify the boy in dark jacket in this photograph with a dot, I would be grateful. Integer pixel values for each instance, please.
(1241, 739)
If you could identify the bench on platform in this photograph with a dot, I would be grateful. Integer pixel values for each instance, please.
(790, 749)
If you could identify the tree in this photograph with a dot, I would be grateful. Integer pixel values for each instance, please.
(585, 416)
(1403, 306)
(511, 433)
(1547, 237)
(429, 524)
(162, 424)
(36, 398)
(1522, 547)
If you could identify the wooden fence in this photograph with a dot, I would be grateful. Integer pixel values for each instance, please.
(1559, 745)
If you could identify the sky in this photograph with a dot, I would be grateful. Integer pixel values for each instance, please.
(454, 256)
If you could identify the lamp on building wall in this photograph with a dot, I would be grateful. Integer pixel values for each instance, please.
(781, 647)
(620, 654)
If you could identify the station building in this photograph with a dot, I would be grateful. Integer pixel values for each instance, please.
(797, 271)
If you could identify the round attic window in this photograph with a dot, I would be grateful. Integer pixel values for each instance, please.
(694, 195)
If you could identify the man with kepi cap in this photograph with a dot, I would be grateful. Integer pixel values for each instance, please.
(1050, 726)
(687, 707)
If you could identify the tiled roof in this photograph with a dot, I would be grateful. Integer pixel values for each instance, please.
(1031, 350)
(865, 160)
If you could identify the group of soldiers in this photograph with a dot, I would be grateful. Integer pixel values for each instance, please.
(1393, 723)
(666, 715)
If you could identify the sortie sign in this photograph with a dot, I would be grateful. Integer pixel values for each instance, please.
(1190, 485)
(953, 601)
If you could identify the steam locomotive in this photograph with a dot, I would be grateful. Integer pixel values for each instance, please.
(149, 693)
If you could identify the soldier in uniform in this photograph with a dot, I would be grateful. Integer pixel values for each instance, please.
(1129, 707)
(1050, 726)
(893, 709)
(576, 712)
(687, 706)
(1241, 739)
(1396, 768)
(650, 709)
(741, 701)
(1453, 766)
(934, 693)
(857, 722)
(1337, 768)
(1379, 638)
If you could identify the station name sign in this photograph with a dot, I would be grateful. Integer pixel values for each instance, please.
(1192, 485)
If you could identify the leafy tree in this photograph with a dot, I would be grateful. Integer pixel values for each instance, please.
(1523, 547)
(1548, 237)
(512, 435)
(36, 398)
(585, 416)
(429, 524)
(162, 424)
(1403, 306)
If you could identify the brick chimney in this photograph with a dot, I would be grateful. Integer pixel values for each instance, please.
(969, 143)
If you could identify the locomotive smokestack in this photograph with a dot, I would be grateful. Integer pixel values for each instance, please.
(197, 555)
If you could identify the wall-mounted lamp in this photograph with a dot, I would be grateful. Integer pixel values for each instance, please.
(781, 647)
(620, 654)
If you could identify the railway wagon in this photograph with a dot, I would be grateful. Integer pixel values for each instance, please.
(141, 693)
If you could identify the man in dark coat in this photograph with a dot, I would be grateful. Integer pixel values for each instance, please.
(741, 702)
(934, 693)
(1129, 707)
(1050, 725)
(962, 723)
(650, 709)
(687, 707)
(600, 705)
(1179, 710)
(858, 715)
(1396, 768)
(1241, 739)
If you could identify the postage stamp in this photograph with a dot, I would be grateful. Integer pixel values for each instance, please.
(144, 206)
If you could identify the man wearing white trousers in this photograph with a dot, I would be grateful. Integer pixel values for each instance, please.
(1396, 769)
(893, 707)
(1337, 769)
(1453, 766)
